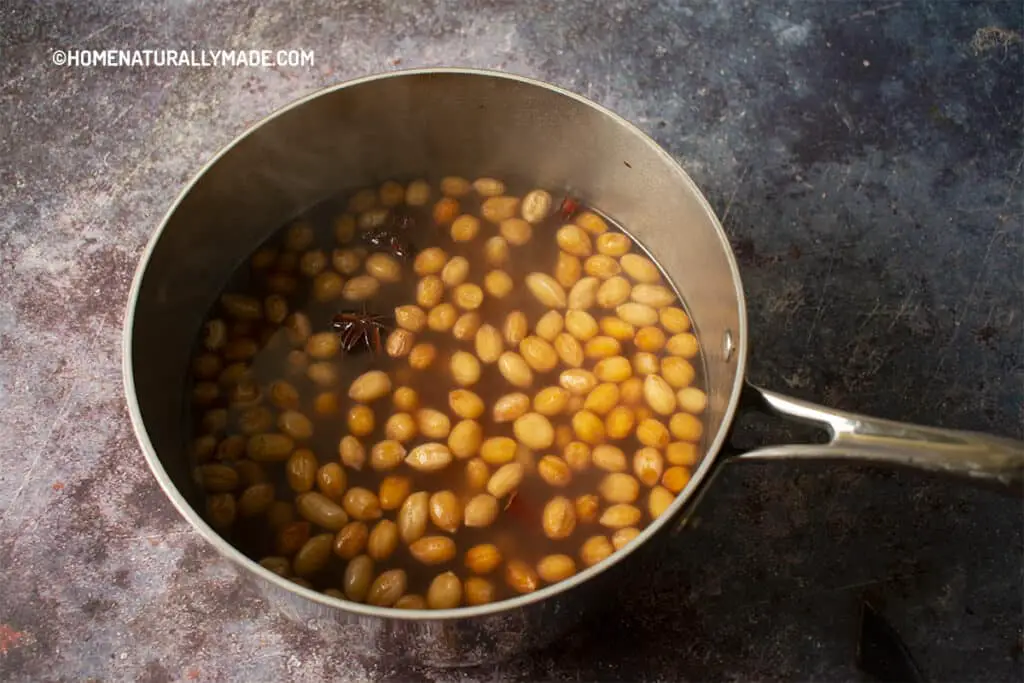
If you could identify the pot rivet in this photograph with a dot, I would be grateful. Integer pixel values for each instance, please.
(727, 345)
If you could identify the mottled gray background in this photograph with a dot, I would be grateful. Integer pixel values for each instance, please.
(866, 159)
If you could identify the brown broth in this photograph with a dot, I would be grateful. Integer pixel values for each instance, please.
(517, 530)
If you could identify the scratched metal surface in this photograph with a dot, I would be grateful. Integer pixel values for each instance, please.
(866, 158)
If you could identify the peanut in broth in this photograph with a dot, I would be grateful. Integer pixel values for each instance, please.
(583, 435)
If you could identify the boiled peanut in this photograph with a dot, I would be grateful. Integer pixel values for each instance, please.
(649, 338)
(613, 244)
(269, 447)
(358, 577)
(609, 458)
(454, 186)
(516, 231)
(455, 271)
(352, 452)
(361, 504)
(250, 473)
(616, 328)
(445, 210)
(588, 427)
(686, 427)
(478, 591)
(295, 424)
(477, 474)
(207, 366)
(391, 193)
(624, 536)
(497, 209)
(383, 540)
(554, 568)
(481, 510)
(580, 325)
(422, 356)
(488, 344)
(360, 288)
(640, 268)
(346, 261)
(386, 455)
(488, 187)
(638, 315)
(384, 267)
(613, 292)
(498, 284)
(483, 558)
(283, 395)
(387, 588)
(568, 269)
(601, 347)
(510, 406)
(216, 478)
(595, 549)
(551, 401)
(351, 540)
(417, 193)
(205, 393)
(466, 326)
(559, 518)
(648, 466)
(515, 370)
(465, 368)
(620, 515)
(313, 556)
(677, 372)
(674, 320)
(684, 345)
(586, 507)
(692, 400)
(405, 399)
(411, 601)
(619, 487)
(431, 550)
(569, 350)
(659, 500)
(675, 478)
(429, 457)
(321, 510)
(465, 438)
(301, 470)
(363, 200)
(465, 404)
(231, 448)
(433, 424)
(682, 453)
(583, 294)
(370, 386)
(360, 420)
(442, 317)
(413, 516)
(280, 514)
(538, 354)
(534, 431)
(445, 591)
(445, 511)
(505, 480)
(411, 318)
(464, 228)
(554, 471)
(602, 399)
(429, 291)
(241, 307)
(393, 491)
(657, 296)
(577, 381)
(652, 433)
(549, 326)
(601, 266)
(536, 206)
(498, 450)
(515, 328)
(400, 343)
(496, 251)
(573, 240)
(577, 455)
(521, 577)
(659, 395)
(546, 290)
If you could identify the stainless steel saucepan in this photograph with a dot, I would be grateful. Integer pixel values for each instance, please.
(427, 122)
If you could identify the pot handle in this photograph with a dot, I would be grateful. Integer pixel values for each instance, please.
(987, 460)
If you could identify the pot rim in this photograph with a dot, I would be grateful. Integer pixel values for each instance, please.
(739, 341)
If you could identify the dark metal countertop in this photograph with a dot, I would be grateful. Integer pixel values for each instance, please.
(866, 159)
